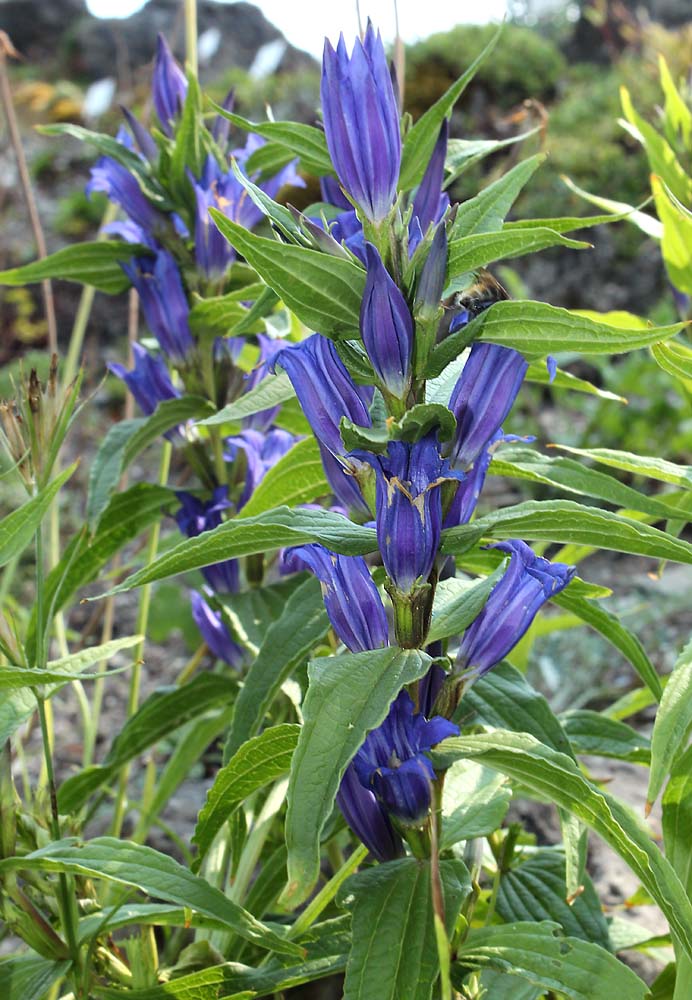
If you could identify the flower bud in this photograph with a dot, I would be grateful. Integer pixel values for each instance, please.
(168, 86)
(386, 326)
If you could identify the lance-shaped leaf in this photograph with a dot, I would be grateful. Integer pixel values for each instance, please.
(304, 141)
(673, 723)
(323, 291)
(152, 872)
(676, 243)
(271, 391)
(486, 211)
(469, 253)
(297, 478)
(592, 733)
(29, 977)
(555, 776)
(96, 264)
(639, 465)
(245, 536)
(19, 527)
(348, 695)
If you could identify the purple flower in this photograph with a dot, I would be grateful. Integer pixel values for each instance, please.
(386, 325)
(430, 203)
(347, 229)
(409, 507)
(268, 349)
(221, 128)
(432, 279)
(122, 187)
(528, 582)
(361, 122)
(367, 818)
(483, 396)
(215, 632)
(148, 381)
(392, 761)
(165, 305)
(325, 389)
(344, 485)
(261, 451)
(168, 86)
(333, 195)
(142, 137)
(351, 598)
(468, 492)
(196, 516)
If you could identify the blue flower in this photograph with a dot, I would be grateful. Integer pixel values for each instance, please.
(386, 325)
(168, 86)
(268, 349)
(466, 497)
(392, 762)
(333, 195)
(351, 598)
(196, 516)
(367, 818)
(215, 632)
(528, 582)
(148, 381)
(430, 202)
(123, 188)
(483, 396)
(344, 485)
(347, 229)
(164, 303)
(409, 507)
(361, 122)
(325, 389)
(432, 279)
(261, 451)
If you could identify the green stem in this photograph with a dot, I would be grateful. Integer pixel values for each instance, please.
(191, 34)
(136, 675)
(327, 893)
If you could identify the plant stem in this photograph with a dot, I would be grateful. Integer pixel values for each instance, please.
(142, 622)
(191, 34)
(7, 49)
(327, 893)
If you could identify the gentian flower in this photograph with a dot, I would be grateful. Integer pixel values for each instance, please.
(409, 507)
(168, 86)
(215, 632)
(332, 194)
(344, 485)
(261, 451)
(392, 761)
(347, 229)
(122, 187)
(325, 389)
(351, 598)
(483, 396)
(386, 325)
(468, 492)
(149, 381)
(221, 129)
(515, 600)
(430, 203)
(268, 349)
(366, 817)
(196, 516)
(166, 310)
(361, 122)
(142, 137)
(432, 278)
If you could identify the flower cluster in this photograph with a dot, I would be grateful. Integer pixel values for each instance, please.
(417, 478)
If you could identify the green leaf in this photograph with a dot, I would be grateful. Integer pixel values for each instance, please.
(323, 291)
(157, 874)
(286, 644)
(676, 243)
(96, 264)
(15, 709)
(556, 777)
(258, 762)
(421, 138)
(676, 359)
(163, 712)
(678, 116)
(457, 603)
(662, 159)
(187, 152)
(474, 803)
(304, 141)
(19, 527)
(219, 314)
(420, 420)
(272, 390)
(567, 522)
(672, 724)
(612, 629)
(504, 698)
(574, 477)
(297, 478)
(394, 955)
(29, 977)
(576, 969)
(469, 253)
(107, 145)
(536, 890)
(536, 329)
(620, 210)
(565, 224)
(538, 373)
(592, 733)
(245, 536)
(486, 211)
(639, 465)
(677, 818)
(465, 153)
(348, 695)
(67, 668)
(169, 413)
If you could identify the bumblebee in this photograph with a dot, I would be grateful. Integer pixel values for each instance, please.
(483, 293)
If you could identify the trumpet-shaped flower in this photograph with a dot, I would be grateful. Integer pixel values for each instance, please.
(196, 516)
(386, 325)
(148, 381)
(164, 302)
(215, 632)
(168, 86)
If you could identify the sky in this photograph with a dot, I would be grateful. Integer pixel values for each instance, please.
(306, 22)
